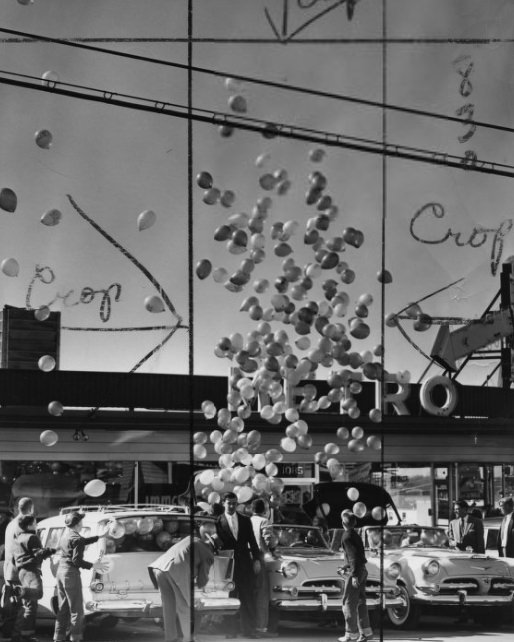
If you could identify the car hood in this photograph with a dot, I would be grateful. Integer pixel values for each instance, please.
(457, 559)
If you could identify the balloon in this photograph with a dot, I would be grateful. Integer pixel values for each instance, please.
(10, 267)
(226, 130)
(271, 469)
(42, 313)
(95, 488)
(359, 509)
(55, 408)
(206, 476)
(374, 442)
(204, 180)
(49, 78)
(210, 196)
(8, 199)
(144, 525)
(237, 103)
(357, 432)
(288, 444)
(304, 441)
(43, 138)
(199, 438)
(244, 494)
(261, 160)
(48, 438)
(51, 218)
(199, 451)
(352, 494)
(375, 414)
(146, 219)
(316, 155)
(154, 304)
(116, 529)
(378, 513)
(203, 268)
(356, 445)
(46, 363)
(273, 455)
(158, 525)
(267, 181)
(258, 461)
(331, 449)
(227, 198)
(384, 276)
(208, 409)
(25, 2)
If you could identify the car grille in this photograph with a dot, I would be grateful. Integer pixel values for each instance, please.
(315, 587)
(451, 586)
(501, 586)
(373, 588)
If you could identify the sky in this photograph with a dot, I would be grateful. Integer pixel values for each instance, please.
(430, 226)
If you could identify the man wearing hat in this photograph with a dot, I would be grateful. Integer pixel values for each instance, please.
(466, 531)
(171, 574)
(70, 614)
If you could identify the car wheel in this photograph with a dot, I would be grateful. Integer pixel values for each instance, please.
(406, 616)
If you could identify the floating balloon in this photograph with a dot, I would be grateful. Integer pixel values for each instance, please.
(42, 313)
(10, 267)
(43, 138)
(154, 304)
(48, 438)
(288, 444)
(220, 275)
(204, 180)
(146, 219)
(95, 488)
(8, 199)
(199, 451)
(244, 494)
(316, 155)
(227, 198)
(356, 445)
(211, 196)
(25, 2)
(384, 276)
(203, 268)
(378, 513)
(116, 529)
(206, 476)
(261, 160)
(375, 414)
(374, 442)
(144, 525)
(238, 104)
(208, 409)
(357, 432)
(51, 218)
(352, 494)
(55, 408)
(359, 509)
(46, 363)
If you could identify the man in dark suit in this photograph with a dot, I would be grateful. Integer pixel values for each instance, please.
(466, 531)
(236, 533)
(506, 533)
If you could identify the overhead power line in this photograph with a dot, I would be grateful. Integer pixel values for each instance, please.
(32, 37)
(268, 129)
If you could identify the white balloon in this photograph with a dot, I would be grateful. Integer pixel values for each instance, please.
(55, 408)
(48, 438)
(46, 363)
(95, 488)
(154, 304)
(51, 218)
(42, 313)
(146, 219)
(49, 77)
(10, 267)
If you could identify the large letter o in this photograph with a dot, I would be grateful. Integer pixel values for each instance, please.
(425, 396)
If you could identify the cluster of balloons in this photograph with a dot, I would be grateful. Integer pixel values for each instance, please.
(359, 508)
(244, 474)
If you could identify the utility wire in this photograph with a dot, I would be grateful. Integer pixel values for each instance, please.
(266, 128)
(260, 81)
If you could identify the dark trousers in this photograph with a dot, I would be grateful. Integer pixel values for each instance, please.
(31, 593)
(244, 580)
(70, 616)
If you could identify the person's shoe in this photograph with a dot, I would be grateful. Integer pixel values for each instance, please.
(364, 638)
(349, 637)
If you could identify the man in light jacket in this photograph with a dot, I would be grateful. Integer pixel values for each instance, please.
(171, 574)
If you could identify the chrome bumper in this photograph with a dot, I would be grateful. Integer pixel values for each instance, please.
(322, 604)
(145, 608)
(463, 599)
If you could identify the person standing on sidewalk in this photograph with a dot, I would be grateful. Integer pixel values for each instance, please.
(355, 609)
(70, 615)
(11, 578)
(29, 553)
(262, 531)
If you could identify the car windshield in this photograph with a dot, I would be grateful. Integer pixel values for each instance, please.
(293, 536)
(406, 537)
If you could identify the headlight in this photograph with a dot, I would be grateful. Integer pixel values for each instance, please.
(97, 586)
(431, 568)
(289, 569)
(393, 571)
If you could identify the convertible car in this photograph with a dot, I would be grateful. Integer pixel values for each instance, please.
(434, 575)
(307, 577)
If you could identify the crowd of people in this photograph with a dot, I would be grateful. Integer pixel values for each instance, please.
(252, 542)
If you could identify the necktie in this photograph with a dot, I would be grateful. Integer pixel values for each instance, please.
(233, 525)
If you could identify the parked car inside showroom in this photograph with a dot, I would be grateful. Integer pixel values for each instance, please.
(434, 575)
(306, 576)
(135, 536)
